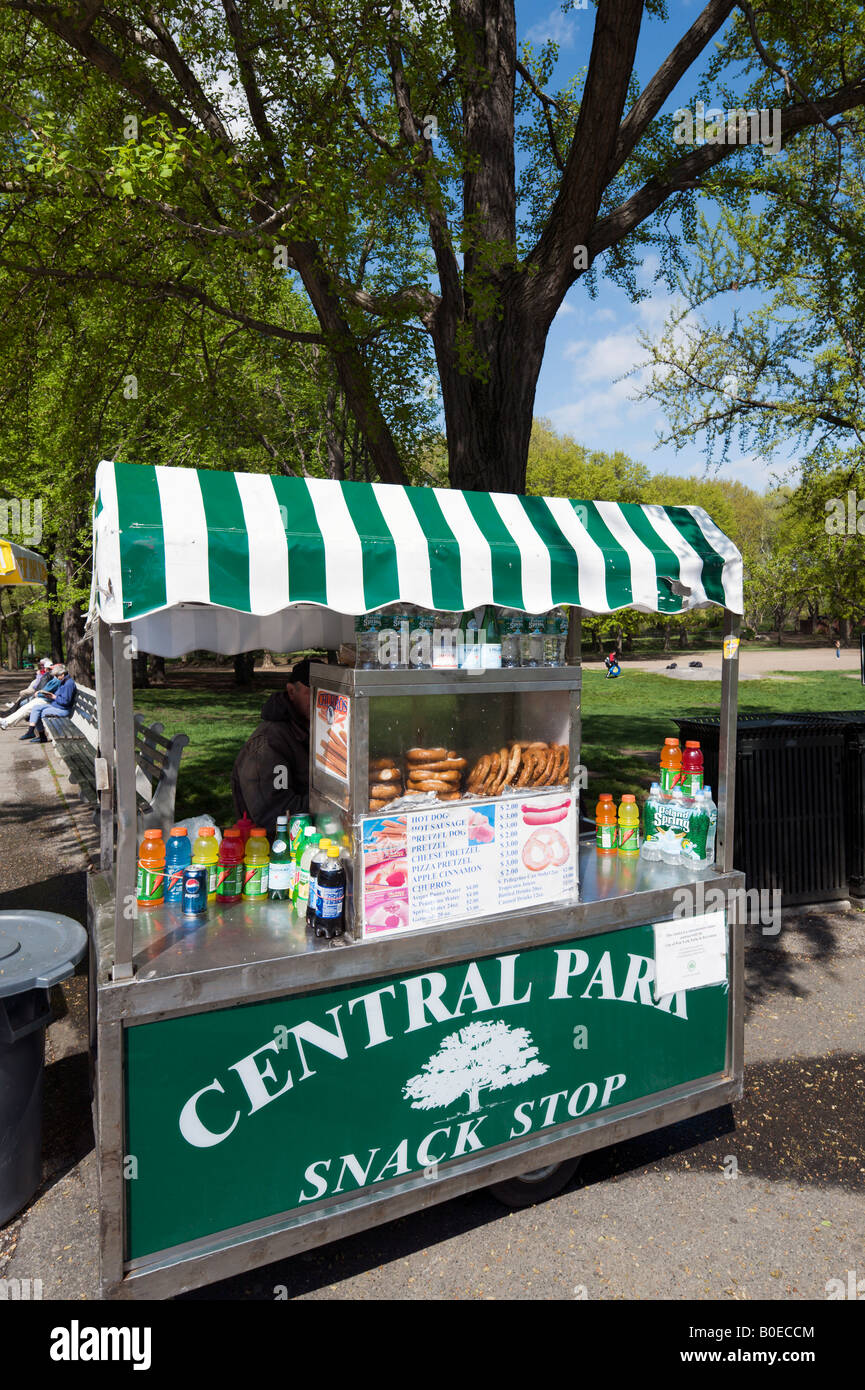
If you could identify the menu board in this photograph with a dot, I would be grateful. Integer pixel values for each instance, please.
(422, 868)
(331, 734)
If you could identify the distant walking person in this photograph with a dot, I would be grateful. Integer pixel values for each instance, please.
(838, 650)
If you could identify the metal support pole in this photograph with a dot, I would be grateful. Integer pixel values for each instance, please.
(105, 729)
(727, 743)
(124, 752)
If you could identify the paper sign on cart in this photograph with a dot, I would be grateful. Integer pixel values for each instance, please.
(331, 734)
(690, 952)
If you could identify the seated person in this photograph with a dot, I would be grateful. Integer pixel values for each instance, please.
(612, 664)
(57, 704)
(21, 711)
(40, 678)
(271, 773)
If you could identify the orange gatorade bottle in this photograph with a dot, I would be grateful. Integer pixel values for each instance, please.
(150, 891)
(605, 824)
(671, 766)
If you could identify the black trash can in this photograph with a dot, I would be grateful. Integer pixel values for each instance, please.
(37, 950)
(790, 810)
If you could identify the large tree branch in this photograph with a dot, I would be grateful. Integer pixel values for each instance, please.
(686, 172)
(249, 81)
(674, 67)
(614, 45)
(164, 289)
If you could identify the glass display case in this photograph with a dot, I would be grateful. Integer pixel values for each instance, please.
(457, 791)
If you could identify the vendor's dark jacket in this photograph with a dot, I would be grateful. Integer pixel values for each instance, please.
(277, 752)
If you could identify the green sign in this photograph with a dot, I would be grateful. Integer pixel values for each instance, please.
(247, 1112)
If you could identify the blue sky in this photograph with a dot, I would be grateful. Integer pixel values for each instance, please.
(593, 342)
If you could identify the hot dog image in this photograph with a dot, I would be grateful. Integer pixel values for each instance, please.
(544, 812)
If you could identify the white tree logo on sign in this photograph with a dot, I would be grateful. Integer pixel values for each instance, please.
(480, 1057)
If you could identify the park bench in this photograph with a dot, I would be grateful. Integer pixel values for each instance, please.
(157, 760)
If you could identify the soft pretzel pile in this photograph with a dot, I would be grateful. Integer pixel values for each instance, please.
(385, 782)
(519, 764)
(438, 770)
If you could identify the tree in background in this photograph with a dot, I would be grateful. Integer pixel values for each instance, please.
(370, 149)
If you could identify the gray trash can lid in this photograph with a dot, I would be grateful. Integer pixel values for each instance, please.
(37, 950)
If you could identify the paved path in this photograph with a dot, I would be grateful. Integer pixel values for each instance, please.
(653, 1218)
(753, 661)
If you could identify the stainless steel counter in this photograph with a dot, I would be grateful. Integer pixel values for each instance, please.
(251, 950)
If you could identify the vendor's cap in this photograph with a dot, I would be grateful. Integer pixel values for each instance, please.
(300, 672)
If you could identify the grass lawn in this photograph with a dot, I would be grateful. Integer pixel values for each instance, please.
(635, 713)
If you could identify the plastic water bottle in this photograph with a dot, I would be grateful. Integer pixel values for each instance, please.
(555, 637)
(511, 630)
(712, 812)
(532, 640)
(366, 630)
(651, 848)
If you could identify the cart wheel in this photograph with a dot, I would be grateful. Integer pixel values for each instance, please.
(535, 1186)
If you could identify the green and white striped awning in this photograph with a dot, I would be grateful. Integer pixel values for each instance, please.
(233, 561)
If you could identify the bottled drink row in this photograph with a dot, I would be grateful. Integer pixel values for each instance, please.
(679, 818)
(303, 866)
(402, 637)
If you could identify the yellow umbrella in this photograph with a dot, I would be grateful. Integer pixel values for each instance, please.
(20, 566)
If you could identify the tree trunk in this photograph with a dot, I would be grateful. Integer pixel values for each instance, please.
(140, 678)
(244, 666)
(55, 627)
(845, 632)
(683, 638)
(79, 649)
(667, 647)
(156, 673)
(488, 419)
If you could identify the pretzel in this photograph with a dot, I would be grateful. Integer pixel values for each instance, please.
(446, 765)
(430, 784)
(449, 796)
(421, 774)
(504, 759)
(538, 746)
(513, 765)
(379, 792)
(527, 768)
(479, 773)
(379, 764)
(387, 774)
(426, 755)
(492, 776)
(549, 768)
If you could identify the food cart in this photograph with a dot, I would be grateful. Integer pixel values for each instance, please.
(492, 1010)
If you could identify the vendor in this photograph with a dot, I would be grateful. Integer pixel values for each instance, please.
(271, 774)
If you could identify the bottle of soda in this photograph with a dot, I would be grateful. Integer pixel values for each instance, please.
(330, 910)
(281, 863)
(314, 866)
(301, 891)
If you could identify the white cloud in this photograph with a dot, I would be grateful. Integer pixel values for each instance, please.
(603, 316)
(557, 27)
(565, 308)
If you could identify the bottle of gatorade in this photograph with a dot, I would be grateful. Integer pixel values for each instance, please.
(308, 835)
(205, 854)
(178, 856)
(605, 824)
(692, 769)
(629, 825)
(229, 873)
(255, 864)
(671, 766)
(150, 890)
(281, 869)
